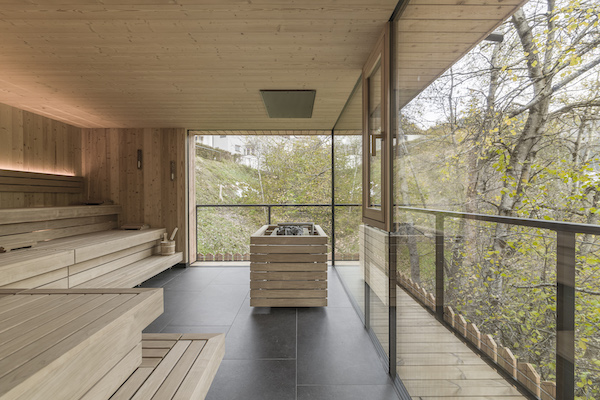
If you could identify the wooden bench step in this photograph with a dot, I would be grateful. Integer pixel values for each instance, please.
(135, 273)
(175, 366)
(88, 270)
(22, 215)
(21, 265)
(92, 245)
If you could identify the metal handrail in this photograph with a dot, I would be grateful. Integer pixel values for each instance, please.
(279, 205)
(529, 222)
(270, 206)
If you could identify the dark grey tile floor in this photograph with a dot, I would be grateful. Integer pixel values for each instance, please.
(274, 353)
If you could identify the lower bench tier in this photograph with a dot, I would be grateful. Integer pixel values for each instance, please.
(95, 260)
(135, 273)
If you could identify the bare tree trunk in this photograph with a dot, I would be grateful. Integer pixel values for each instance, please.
(524, 151)
(475, 164)
(409, 231)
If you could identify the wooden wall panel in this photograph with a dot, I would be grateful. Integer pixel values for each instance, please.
(30, 142)
(146, 195)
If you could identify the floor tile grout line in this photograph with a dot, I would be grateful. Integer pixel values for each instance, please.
(238, 312)
(176, 313)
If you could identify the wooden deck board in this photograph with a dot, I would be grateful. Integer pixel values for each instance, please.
(432, 362)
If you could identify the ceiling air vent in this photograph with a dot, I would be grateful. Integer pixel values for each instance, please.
(289, 103)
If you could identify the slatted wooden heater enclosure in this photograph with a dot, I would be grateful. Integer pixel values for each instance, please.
(288, 271)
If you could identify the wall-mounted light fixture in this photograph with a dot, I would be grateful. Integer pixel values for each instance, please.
(172, 170)
(495, 37)
(139, 159)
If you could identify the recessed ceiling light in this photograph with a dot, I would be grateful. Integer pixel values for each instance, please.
(289, 103)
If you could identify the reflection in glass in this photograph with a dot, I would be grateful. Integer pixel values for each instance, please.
(375, 136)
(348, 190)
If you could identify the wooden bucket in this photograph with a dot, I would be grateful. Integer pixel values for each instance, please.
(167, 248)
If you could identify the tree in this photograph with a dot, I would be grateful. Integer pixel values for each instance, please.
(519, 137)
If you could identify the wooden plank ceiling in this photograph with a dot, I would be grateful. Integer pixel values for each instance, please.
(434, 34)
(201, 63)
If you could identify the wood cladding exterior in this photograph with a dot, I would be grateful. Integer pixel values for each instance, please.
(30, 142)
(148, 194)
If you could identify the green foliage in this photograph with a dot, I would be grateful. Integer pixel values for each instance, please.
(518, 137)
(291, 170)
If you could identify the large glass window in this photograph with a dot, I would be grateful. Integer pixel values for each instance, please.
(348, 164)
(376, 139)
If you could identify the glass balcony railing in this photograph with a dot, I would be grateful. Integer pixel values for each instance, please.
(223, 230)
(523, 293)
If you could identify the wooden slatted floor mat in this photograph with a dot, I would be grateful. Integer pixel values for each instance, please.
(174, 366)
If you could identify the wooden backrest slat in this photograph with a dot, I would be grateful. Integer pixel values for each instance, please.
(21, 215)
(38, 175)
(40, 236)
(23, 227)
(75, 183)
(26, 227)
(24, 181)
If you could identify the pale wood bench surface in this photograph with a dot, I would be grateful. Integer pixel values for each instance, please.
(76, 247)
(174, 366)
(135, 273)
(22, 227)
(96, 244)
(58, 344)
(25, 264)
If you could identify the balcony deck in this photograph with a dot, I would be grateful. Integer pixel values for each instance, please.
(434, 364)
(431, 361)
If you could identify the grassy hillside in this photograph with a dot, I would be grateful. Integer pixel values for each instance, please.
(224, 230)
(222, 182)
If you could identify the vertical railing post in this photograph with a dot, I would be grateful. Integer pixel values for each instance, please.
(332, 197)
(565, 315)
(393, 328)
(367, 305)
(269, 214)
(439, 265)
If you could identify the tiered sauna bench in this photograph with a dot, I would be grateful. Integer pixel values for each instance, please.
(76, 247)
(87, 344)
(288, 271)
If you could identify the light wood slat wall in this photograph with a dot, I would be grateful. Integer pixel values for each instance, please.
(33, 143)
(147, 195)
